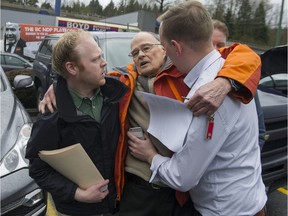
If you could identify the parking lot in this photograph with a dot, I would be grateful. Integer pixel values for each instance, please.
(277, 200)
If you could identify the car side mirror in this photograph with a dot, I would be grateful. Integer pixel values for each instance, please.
(22, 81)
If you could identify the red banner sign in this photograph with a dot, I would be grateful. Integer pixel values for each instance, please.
(38, 32)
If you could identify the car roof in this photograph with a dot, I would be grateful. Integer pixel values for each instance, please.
(8, 53)
(274, 61)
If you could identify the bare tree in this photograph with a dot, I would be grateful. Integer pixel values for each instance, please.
(161, 4)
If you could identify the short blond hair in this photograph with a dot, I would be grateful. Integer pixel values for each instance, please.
(189, 21)
(217, 24)
(65, 50)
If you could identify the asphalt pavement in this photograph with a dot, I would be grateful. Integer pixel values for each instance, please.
(277, 199)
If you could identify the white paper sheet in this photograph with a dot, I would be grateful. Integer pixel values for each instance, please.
(169, 120)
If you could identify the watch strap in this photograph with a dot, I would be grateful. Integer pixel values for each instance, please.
(235, 86)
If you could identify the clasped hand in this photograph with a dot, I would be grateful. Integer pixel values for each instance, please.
(142, 149)
(92, 194)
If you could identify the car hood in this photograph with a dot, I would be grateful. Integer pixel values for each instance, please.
(13, 117)
(273, 106)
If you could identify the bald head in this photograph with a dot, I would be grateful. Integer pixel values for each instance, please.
(147, 53)
(12, 33)
(152, 37)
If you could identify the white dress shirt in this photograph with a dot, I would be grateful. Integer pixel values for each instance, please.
(223, 174)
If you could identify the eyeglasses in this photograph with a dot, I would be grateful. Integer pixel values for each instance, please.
(145, 49)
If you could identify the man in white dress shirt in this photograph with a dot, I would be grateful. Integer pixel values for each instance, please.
(219, 163)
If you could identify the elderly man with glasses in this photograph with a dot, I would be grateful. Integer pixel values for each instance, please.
(145, 49)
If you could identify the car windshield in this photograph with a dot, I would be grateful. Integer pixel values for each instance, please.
(116, 52)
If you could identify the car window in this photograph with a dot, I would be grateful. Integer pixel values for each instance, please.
(47, 46)
(43, 48)
(116, 52)
(50, 45)
(11, 60)
(2, 59)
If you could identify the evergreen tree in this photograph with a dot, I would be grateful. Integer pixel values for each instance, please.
(219, 11)
(229, 21)
(109, 10)
(95, 8)
(122, 7)
(99, 8)
(132, 6)
(83, 8)
(76, 7)
(156, 9)
(260, 30)
(46, 5)
(243, 20)
(68, 9)
(65, 6)
(146, 7)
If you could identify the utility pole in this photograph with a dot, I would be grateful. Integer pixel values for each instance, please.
(279, 30)
(57, 7)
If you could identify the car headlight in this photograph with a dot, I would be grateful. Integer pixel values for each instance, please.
(15, 158)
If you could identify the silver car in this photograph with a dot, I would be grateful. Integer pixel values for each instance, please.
(20, 195)
(12, 61)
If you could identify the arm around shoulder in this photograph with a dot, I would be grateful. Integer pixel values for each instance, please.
(243, 66)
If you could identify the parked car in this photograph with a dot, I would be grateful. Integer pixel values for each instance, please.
(272, 92)
(115, 47)
(274, 153)
(12, 61)
(274, 70)
(20, 195)
(14, 65)
(276, 81)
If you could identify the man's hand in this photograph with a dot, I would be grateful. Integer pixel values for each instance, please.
(93, 194)
(142, 149)
(49, 100)
(209, 97)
